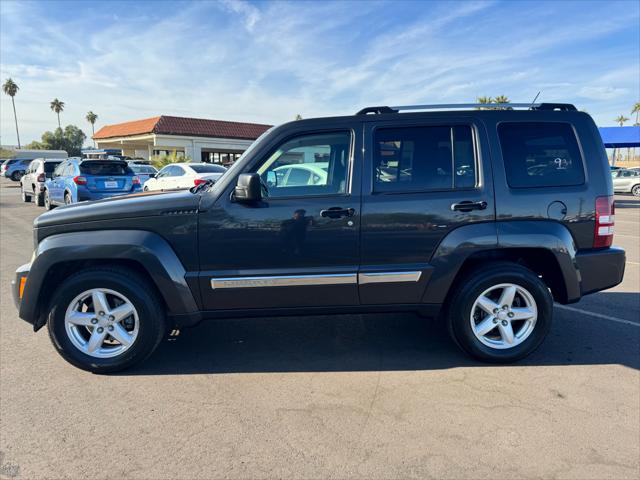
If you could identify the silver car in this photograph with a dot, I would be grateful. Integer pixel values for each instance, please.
(32, 182)
(626, 181)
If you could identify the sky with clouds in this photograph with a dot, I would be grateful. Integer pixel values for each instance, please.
(266, 62)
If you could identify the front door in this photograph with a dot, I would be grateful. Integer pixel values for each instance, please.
(300, 245)
(423, 180)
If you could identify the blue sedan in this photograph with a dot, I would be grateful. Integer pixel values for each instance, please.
(77, 180)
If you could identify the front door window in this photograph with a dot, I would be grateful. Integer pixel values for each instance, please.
(308, 165)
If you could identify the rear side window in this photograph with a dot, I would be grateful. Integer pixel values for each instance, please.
(540, 154)
(208, 168)
(104, 168)
(424, 158)
(50, 167)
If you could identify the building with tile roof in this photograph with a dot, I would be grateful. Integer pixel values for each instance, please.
(200, 139)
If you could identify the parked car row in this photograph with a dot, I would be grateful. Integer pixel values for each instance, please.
(51, 182)
(626, 181)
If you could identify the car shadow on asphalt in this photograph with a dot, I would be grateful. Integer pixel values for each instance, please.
(374, 342)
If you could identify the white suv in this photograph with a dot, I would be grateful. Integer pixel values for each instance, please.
(32, 182)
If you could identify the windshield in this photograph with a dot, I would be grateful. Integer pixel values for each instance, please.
(104, 168)
(208, 168)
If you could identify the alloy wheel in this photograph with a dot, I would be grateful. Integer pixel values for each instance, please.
(636, 190)
(504, 316)
(102, 323)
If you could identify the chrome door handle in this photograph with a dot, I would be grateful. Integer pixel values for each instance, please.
(467, 206)
(337, 212)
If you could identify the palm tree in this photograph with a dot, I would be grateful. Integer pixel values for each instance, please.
(91, 118)
(621, 120)
(10, 88)
(503, 99)
(636, 110)
(57, 106)
(484, 101)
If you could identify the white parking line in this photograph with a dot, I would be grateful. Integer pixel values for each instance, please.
(597, 315)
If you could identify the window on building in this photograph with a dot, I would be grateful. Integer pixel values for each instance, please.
(424, 158)
(221, 158)
(540, 154)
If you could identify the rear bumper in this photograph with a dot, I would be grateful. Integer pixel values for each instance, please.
(600, 269)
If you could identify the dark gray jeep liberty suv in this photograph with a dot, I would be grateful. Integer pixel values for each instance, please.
(481, 217)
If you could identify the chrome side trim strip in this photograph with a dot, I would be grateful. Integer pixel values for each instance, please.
(388, 277)
(284, 281)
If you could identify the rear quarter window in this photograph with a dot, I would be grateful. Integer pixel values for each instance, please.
(50, 166)
(540, 154)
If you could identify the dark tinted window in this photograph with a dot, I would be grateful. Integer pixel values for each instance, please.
(104, 168)
(208, 168)
(50, 166)
(541, 154)
(424, 158)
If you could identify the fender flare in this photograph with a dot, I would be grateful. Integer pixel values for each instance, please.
(148, 249)
(465, 241)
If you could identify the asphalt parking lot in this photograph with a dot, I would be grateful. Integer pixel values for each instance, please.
(366, 396)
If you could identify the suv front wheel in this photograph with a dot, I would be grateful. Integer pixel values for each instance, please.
(501, 314)
(105, 320)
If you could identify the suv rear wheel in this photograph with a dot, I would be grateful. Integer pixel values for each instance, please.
(501, 314)
(105, 320)
(47, 201)
(26, 198)
(39, 197)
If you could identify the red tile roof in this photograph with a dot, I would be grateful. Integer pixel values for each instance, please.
(190, 127)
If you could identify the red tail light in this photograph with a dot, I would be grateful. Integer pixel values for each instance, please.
(135, 180)
(198, 181)
(605, 220)
(80, 180)
(41, 178)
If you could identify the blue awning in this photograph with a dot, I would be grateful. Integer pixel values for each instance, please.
(620, 137)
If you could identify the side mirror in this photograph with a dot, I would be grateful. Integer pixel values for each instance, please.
(249, 188)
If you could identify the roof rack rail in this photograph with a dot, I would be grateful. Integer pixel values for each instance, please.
(453, 106)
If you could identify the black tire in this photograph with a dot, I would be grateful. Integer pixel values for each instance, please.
(26, 198)
(142, 295)
(16, 176)
(145, 189)
(47, 201)
(39, 199)
(635, 190)
(472, 286)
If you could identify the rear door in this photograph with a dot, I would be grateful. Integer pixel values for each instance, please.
(423, 180)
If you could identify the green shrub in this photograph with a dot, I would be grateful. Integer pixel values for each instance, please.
(160, 161)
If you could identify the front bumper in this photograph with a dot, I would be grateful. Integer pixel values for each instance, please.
(600, 269)
(18, 284)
